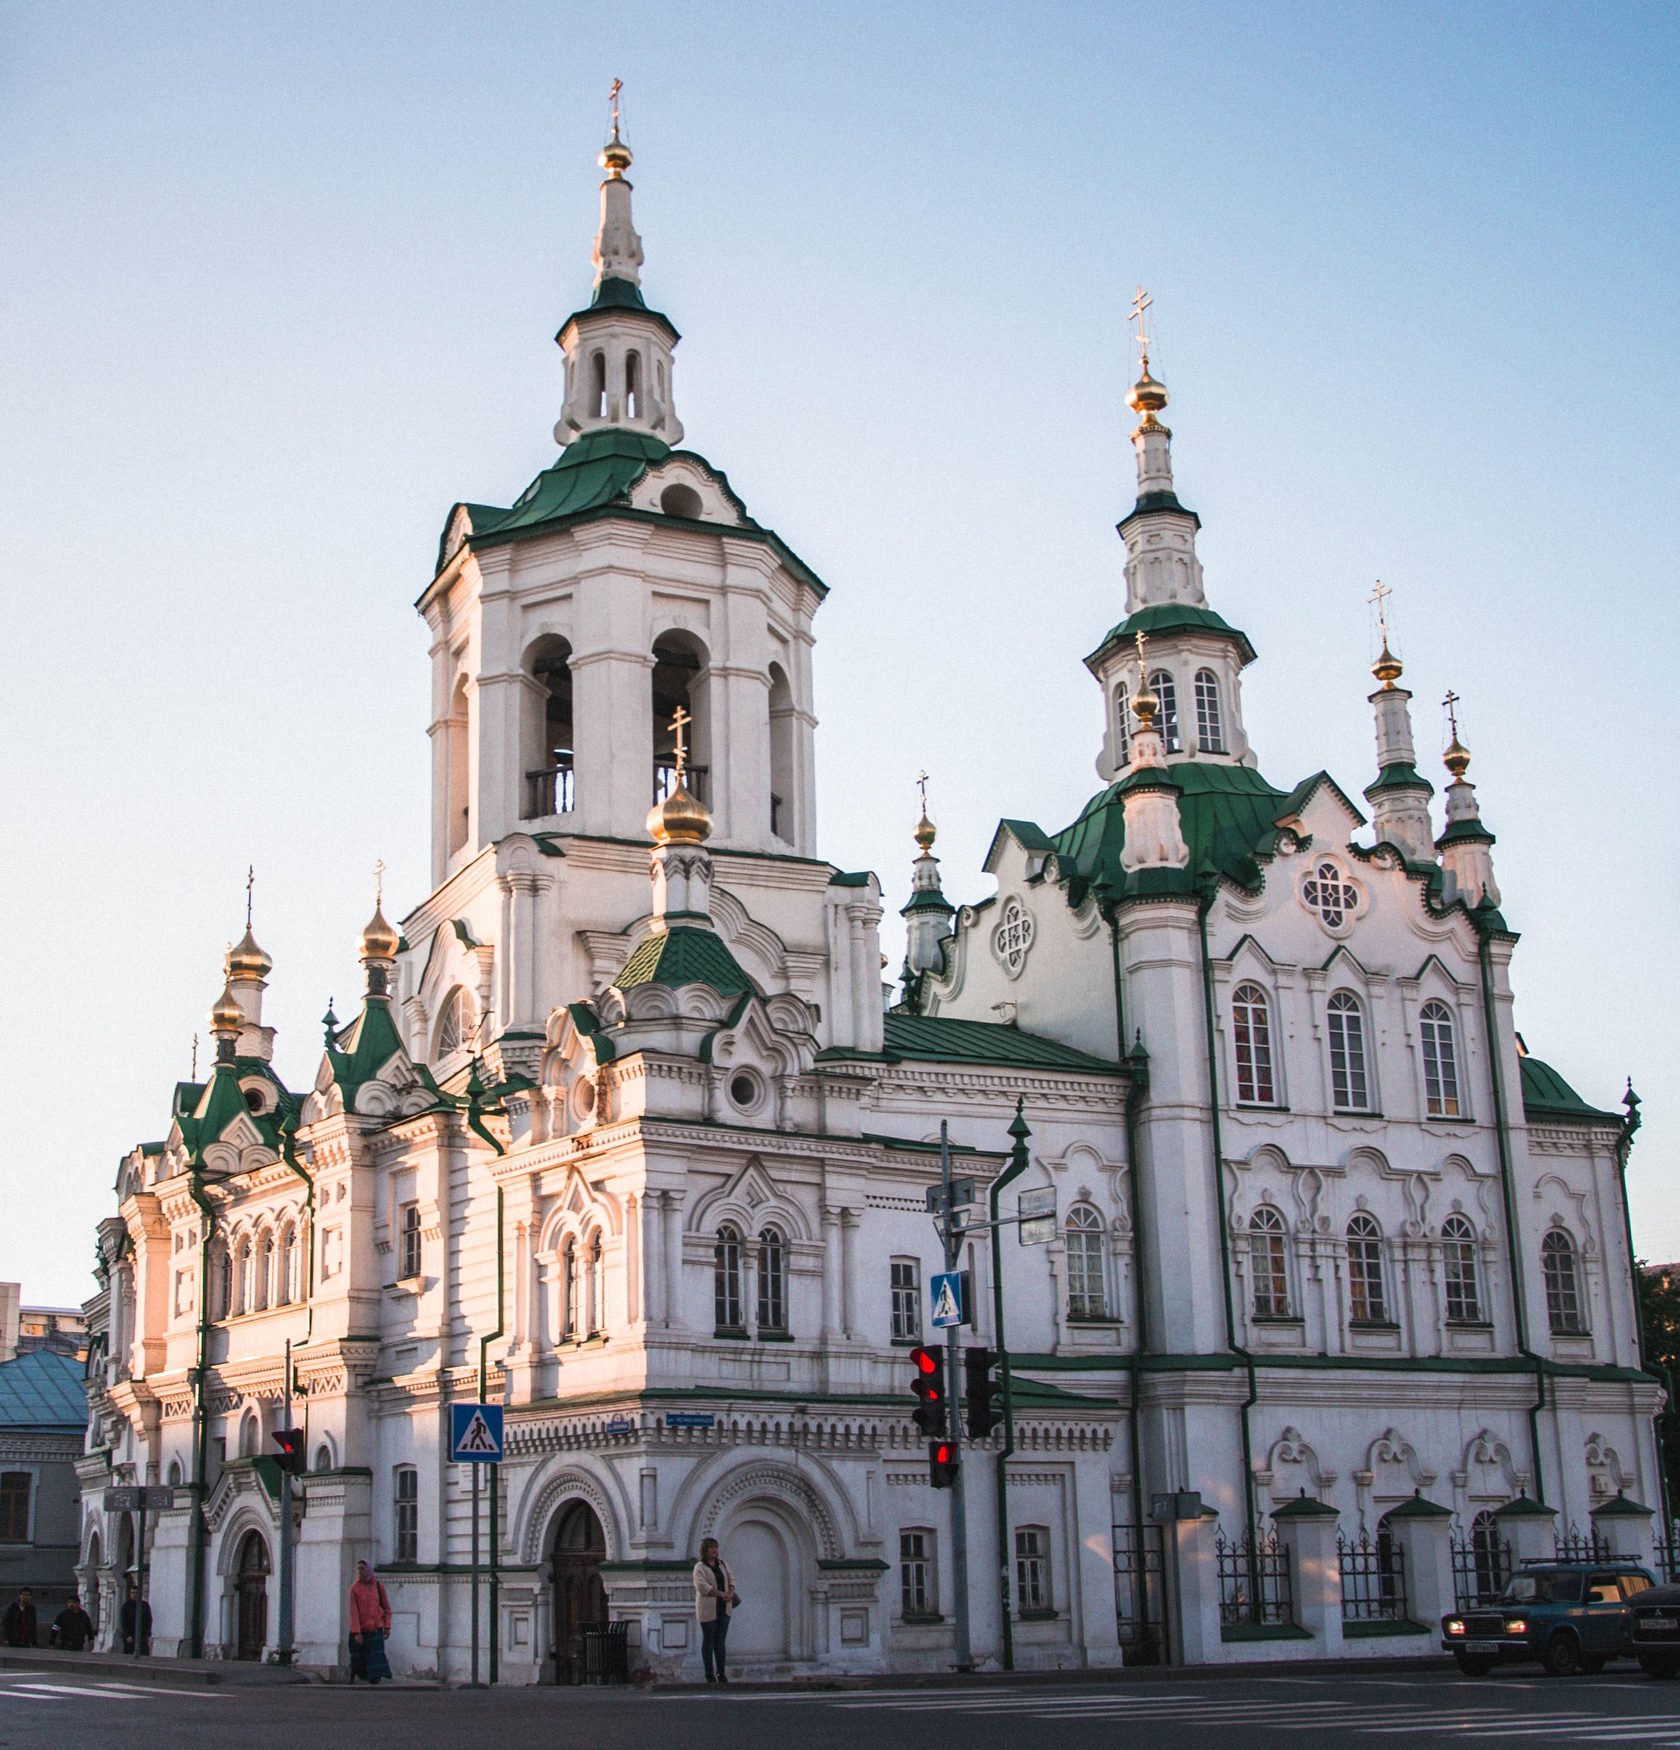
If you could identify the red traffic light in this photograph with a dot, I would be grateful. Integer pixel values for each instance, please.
(942, 1463)
(290, 1457)
(929, 1387)
(924, 1360)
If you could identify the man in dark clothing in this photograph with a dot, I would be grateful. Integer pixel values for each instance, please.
(72, 1629)
(136, 1613)
(19, 1627)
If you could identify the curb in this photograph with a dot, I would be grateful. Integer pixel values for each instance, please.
(167, 1673)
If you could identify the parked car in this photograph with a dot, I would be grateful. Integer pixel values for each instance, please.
(1571, 1616)
(1655, 1631)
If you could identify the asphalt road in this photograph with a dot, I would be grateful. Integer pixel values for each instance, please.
(42, 1710)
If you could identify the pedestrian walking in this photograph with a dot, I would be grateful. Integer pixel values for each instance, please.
(135, 1621)
(72, 1629)
(18, 1627)
(370, 1623)
(715, 1600)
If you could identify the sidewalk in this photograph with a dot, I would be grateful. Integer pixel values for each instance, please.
(234, 1673)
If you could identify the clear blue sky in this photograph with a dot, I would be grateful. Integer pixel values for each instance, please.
(280, 284)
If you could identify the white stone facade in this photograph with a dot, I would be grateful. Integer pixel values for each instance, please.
(625, 1134)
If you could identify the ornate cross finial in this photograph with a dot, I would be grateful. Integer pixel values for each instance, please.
(378, 883)
(617, 86)
(1451, 703)
(250, 883)
(195, 1058)
(679, 722)
(1139, 314)
(1142, 642)
(1379, 600)
(921, 785)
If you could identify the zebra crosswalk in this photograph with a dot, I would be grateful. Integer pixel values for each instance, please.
(26, 1687)
(1479, 1715)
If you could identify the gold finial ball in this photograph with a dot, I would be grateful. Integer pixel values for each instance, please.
(226, 1016)
(1456, 759)
(1387, 666)
(1146, 396)
(379, 940)
(245, 960)
(925, 834)
(1145, 705)
(681, 819)
(615, 157)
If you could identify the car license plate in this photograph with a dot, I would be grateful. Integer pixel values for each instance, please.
(1652, 1620)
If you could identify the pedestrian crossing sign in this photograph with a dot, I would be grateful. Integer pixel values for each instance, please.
(950, 1299)
(475, 1433)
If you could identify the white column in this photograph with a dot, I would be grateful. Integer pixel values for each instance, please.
(848, 1279)
(673, 1260)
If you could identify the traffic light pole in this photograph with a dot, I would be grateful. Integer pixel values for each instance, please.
(283, 1647)
(1017, 1166)
(953, 1374)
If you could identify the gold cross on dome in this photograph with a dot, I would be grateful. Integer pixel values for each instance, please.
(250, 883)
(1139, 314)
(1451, 703)
(921, 785)
(1379, 600)
(1142, 641)
(378, 883)
(679, 722)
(617, 86)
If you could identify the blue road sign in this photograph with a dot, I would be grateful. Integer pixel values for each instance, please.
(475, 1433)
(949, 1290)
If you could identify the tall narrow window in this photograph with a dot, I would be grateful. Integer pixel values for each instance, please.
(1367, 1304)
(783, 727)
(1458, 1261)
(726, 1279)
(1252, 1025)
(596, 1259)
(14, 1505)
(772, 1282)
(1560, 1271)
(906, 1284)
(452, 1024)
(1210, 720)
(547, 729)
(917, 1595)
(632, 384)
(405, 1517)
(1086, 1295)
(242, 1277)
(1440, 1061)
(1349, 1088)
(598, 382)
(1032, 1568)
(569, 1291)
(264, 1288)
(221, 1265)
(1161, 684)
(285, 1291)
(408, 1251)
(1269, 1265)
(1123, 722)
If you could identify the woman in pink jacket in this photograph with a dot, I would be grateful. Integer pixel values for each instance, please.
(370, 1623)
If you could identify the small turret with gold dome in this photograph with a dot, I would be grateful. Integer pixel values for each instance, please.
(380, 940)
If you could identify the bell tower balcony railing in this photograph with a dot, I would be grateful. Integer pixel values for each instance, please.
(551, 790)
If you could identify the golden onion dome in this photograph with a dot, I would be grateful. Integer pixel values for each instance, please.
(1387, 666)
(379, 940)
(1456, 759)
(615, 157)
(1146, 395)
(246, 960)
(925, 834)
(1145, 705)
(226, 1016)
(681, 819)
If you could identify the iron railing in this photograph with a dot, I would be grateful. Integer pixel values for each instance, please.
(1140, 1593)
(1373, 1579)
(1254, 1580)
(1575, 1545)
(1481, 1567)
(665, 779)
(549, 791)
(1668, 1561)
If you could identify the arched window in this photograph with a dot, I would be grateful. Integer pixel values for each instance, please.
(678, 662)
(1440, 1061)
(1161, 684)
(264, 1285)
(598, 384)
(547, 735)
(1490, 1555)
(781, 755)
(1367, 1304)
(1087, 1297)
(242, 1301)
(250, 1437)
(1458, 1261)
(632, 384)
(221, 1271)
(568, 1291)
(1252, 1027)
(457, 807)
(1350, 1089)
(726, 1279)
(596, 1258)
(283, 1266)
(1559, 1269)
(1123, 722)
(772, 1282)
(1210, 720)
(452, 1024)
(1269, 1263)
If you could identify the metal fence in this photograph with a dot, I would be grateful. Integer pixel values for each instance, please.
(1668, 1561)
(1254, 1580)
(1481, 1566)
(1140, 1593)
(1575, 1545)
(1373, 1579)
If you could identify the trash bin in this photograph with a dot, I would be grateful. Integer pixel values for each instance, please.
(606, 1652)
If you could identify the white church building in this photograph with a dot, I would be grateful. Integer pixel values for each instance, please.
(628, 1135)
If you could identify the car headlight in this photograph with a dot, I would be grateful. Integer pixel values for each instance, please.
(1455, 1627)
(1514, 1625)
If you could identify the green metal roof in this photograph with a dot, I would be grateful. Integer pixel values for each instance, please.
(615, 294)
(685, 955)
(365, 1047)
(42, 1391)
(593, 470)
(1173, 617)
(944, 1039)
(1545, 1094)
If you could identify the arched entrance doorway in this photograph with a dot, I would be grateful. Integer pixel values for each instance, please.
(251, 1597)
(580, 1600)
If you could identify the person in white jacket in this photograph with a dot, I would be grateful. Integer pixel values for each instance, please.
(715, 1598)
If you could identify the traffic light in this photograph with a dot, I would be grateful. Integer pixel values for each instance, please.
(942, 1464)
(930, 1414)
(290, 1442)
(982, 1395)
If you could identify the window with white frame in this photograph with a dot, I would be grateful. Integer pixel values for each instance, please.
(917, 1583)
(452, 1024)
(1440, 1061)
(1560, 1270)
(569, 1308)
(595, 1259)
(1458, 1264)
(905, 1281)
(265, 1272)
(1210, 720)
(1032, 1569)
(1268, 1263)
(1087, 1297)
(1123, 722)
(1350, 1087)
(772, 1282)
(405, 1516)
(726, 1279)
(408, 1241)
(1367, 1304)
(1251, 1026)
(1329, 893)
(15, 1487)
(285, 1262)
(1161, 685)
